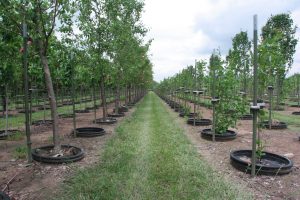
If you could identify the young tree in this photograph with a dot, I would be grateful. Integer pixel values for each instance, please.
(278, 47)
(42, 17)
(239, 58)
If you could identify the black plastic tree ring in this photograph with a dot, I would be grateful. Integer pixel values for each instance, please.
(270, 88)
(214, 101)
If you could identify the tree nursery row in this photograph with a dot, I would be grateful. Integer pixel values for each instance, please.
(61, 59)
(250, 83)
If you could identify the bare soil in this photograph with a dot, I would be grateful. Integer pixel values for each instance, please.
(41, 181)
(217, 154)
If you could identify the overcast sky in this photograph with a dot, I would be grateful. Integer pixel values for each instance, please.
(187, 30)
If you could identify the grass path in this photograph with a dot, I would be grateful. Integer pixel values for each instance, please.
(149, 158)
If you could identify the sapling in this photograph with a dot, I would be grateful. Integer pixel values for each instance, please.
(270, 89)
(259, 143)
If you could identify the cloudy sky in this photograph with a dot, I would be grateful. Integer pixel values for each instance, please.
(187, 30)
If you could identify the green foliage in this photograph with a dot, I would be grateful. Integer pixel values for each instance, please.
(276, 53)
(282, 26)
(239, 58)
(231, 105)
(259, 150)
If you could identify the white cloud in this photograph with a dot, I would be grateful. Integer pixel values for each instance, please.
(187, 30)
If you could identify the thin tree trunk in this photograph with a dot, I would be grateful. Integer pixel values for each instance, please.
(51, 96)
(130, 94)
(117, 105)
(103, 99)
(298, 91)
(3, 104)
(6, 110)
(277, 93)
(94, 101)
(126, 95)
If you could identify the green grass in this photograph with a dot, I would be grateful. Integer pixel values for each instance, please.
(19, 120)
(20, 152)
(293, 121)
(17, 136)
(150, 158)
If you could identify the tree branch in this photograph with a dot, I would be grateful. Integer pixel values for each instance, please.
(53, 19)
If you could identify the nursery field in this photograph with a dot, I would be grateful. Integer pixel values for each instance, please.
(152, 153)
(88, 112)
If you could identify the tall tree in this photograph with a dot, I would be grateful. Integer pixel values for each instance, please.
(239, 58)
(42, 17)
(279, 45)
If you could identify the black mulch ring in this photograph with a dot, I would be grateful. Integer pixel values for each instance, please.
(247, 117)
(4, 136)
(107, 120)
(86, 100)
(296, 113)
(42, 122)
(122, 109)
(41, 154)
(269, 164)
(23, 111)
(295, 106)
(278, 125)
(66, 115)
(67, 103)
(4, 196)
(190, 115)
(177, 109)
(82, 111)
(228, 135)
(199, 122)
(181, 114)
(89, 132)
(120, 114)
(131, 104)
(44, 108)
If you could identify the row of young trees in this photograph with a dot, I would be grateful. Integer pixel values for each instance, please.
(276, 50)
(88, 43)
(230, 79)
(231, 82)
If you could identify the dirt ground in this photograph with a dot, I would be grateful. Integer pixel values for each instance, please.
(276, 141)
(40, 181)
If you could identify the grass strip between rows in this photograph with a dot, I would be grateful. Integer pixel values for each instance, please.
(150, 158)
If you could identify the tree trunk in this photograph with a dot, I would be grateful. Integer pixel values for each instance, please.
(125, 89)
(94, 101)
(6, 110)
(130, 94)
(117, 105)
(3, 104)
(103, 98)
(51, 96)
(298, 90)
(277, 93)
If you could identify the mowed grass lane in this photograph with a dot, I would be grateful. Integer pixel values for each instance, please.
(150, 158)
